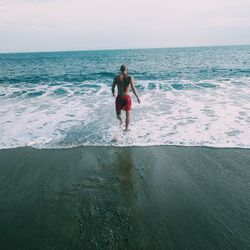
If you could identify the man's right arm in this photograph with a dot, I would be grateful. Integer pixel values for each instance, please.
(134, 89)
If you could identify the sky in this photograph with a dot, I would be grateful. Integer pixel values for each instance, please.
(54, 25)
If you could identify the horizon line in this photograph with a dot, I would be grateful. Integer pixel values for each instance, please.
(112, 49)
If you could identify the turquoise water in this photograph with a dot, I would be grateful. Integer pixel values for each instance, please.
(190, 96)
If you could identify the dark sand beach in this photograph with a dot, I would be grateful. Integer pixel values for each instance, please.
(160, 197)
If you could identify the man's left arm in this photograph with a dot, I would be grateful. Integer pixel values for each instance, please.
(113, 86)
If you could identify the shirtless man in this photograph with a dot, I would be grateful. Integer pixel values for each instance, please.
(123, 99)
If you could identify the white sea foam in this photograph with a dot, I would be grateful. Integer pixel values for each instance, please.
(208, 113)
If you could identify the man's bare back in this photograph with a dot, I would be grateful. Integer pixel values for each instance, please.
(123, 83)
(123, 100)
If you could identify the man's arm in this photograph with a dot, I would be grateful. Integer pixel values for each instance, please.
(134, 89)
(113, 86)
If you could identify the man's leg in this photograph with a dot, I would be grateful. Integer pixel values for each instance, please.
(119, 117)
(128, 114)
(118, 109)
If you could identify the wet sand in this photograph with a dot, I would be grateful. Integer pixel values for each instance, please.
(161, 197)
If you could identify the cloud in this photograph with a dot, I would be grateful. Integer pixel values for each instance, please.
(229, 22)
(109, 22)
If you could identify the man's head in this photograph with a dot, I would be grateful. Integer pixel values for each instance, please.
(124, 69)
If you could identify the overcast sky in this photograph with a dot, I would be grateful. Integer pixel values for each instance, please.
(52, 25)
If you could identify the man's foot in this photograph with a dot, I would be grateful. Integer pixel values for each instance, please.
(120, 124)
(116, 138)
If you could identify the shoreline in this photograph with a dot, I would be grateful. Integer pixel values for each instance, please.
(129, 146)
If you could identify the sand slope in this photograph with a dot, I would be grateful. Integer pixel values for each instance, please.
(163, 197)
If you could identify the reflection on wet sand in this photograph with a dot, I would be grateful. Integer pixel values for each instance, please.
(107, 210)
(124, 163)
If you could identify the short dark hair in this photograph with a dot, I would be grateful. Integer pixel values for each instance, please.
(123, 68)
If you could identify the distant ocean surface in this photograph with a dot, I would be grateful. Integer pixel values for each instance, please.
(189, 96)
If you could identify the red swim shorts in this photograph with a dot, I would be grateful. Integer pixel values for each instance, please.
(122, 103)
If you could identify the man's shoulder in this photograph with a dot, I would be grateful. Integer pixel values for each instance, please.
(116, 77)
(130, 78)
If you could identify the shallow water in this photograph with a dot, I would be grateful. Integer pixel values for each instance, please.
(190, 96)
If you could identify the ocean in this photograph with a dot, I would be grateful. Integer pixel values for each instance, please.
(196, 96)
(70, 178)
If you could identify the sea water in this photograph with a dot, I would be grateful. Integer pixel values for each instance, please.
(197, 96)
